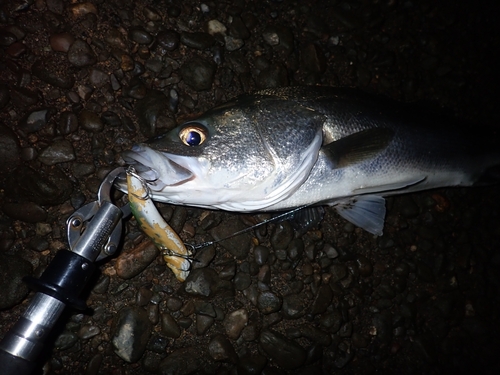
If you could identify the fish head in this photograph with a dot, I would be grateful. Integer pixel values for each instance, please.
(242, 156)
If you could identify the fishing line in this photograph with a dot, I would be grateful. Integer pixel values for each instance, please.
(194, 248)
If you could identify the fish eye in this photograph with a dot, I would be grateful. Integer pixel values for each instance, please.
(193, 135)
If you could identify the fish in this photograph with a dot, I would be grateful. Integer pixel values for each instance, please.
(175, 254)
(283, 148)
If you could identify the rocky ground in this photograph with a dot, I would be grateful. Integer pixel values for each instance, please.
(81, 82)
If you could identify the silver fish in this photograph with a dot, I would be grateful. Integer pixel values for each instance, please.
(289, 147)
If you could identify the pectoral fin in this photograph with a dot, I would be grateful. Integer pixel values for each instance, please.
(364, 211)
(358, 147)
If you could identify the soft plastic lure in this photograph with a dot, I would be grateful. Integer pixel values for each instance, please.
(175, 254)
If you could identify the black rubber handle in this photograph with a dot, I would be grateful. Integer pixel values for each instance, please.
(12, 365)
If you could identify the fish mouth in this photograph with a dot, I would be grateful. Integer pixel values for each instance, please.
(157, 169)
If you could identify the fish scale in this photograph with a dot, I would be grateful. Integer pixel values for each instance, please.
(283, 148)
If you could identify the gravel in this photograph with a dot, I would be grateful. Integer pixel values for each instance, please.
(82, 82)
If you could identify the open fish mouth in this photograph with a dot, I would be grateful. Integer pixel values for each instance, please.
(157, 169)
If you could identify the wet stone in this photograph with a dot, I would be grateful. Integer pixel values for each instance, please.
(197, 40)
(313, 58)
(130, 333)
(365, 268)
(216, 27)
(322, 300)
(80, 54)
(35, 120)
(233, 44)
(140, 36)
(68, 123)
(242, 281)
(268, 302)
(98, 78)
(132, 263)
(148, 111)
(88, 331)
(6, 38)
(203, 323)
(282, 235)
(4, 95)
(204, 257)
(23, 97)
(273, 76)
(90, 121)
(168, 40)
(13, 290)
(221, 349)
(228, 271)
(9, 149)
(60, 151)
(201, 282)
(39, 186)
(61, 42)
(234, 323)
(66, 340)
(182, 361)
(169, 326)
(251, 364)
(111, 118)
(284, 352)
(331, 320)
(294, 306)
(261, 254)
(239, 246)
(338, 272)
(198, 73)
(28, 212)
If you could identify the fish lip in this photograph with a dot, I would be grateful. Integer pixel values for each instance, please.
(156, 167)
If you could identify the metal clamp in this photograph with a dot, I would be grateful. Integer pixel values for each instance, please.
(79, 222)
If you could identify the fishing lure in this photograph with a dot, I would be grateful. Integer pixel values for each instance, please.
(175, 254)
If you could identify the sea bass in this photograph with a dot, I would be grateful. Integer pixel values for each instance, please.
(290, 147)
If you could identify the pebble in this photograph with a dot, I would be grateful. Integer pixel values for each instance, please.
(90, 121)
(201, 282)
(80, 54)
(203, 323)
(182, 361)
(221, 349)
(198, 73)
(68, 123)
(234, 323)
(4, 95)
(268, 302)
(132, 263)
(88, 331)
(12, 270)
(261, 255)
(148, 111)
(197, 40)
(294, 306)
(251, 364)
(28, 212)
(238, 246)
(98, 78)
(35, 120)
(168, 39)
(66, 340)
(9, 149)
(242, 281)
(322, 300)
(284, 352)
(39, 186)
(169, 326)
(60, 151)
(61, 42)
(215, 27)
(282, 235)
(130, 333)
(23, 97)
(140, 36)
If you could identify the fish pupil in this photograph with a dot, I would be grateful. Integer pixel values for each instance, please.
(193, 138)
